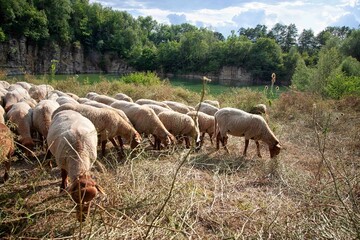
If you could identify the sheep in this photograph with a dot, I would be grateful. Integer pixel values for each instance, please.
(41, 116)
(25, 85)
(7, 147)
(206, 124)
(145, 121)
(258, 109)
(72, 95)
(104, 99)
(150, 101)
(65, 99)
(237, 122)
(102, 105)
(177, 106)
(206, 108)
(83, 100)
(72, 139)
(181, 125)
(40, 92)
(123, 96)
(215, 103)
(108, 123)
(20, 115)
(2, 96)
(2, 115)
(157, 109)
(4, 84)
(91, 95)
(15, 96)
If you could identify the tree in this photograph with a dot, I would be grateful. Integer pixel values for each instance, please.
(284, 35)
(307, 42)
(254, 33)
(351, 45)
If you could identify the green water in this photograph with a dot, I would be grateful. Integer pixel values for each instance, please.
(192, 85)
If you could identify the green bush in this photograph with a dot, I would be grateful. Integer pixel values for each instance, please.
(142, 78)
(351, 67)
(341, 85)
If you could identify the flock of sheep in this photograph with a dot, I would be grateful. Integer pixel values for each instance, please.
(72, 127)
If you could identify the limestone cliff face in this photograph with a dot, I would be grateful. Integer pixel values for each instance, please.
(18, 56)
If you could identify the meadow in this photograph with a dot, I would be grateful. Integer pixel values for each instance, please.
(310, 191)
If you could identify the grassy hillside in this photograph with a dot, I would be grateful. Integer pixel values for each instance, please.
(310, 191)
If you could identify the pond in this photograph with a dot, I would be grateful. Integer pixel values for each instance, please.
(192, 85)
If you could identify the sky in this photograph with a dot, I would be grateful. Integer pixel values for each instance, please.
(226, 15)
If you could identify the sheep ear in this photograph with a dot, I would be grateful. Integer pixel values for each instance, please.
(100, 189)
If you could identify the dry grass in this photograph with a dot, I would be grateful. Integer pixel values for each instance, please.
(306, 193)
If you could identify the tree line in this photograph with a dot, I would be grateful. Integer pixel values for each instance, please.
(151, 46)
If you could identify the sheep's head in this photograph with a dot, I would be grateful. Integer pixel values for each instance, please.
(274, 150)
(82, 191)
(136, 140)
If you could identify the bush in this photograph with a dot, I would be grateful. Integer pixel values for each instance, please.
(340, 86)
(142, 78)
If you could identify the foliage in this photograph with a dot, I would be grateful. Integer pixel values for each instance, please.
(351, 45)
(141, 78)
(302, 76)
(340, 86)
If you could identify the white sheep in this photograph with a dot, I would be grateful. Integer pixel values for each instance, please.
(104, 99)
(240, 123)
(2, 95)
(14, 96)
(178, 106)
(65, 99)
(153, 102)
(215, 103)
(157, 109)
(181, 126)
(4, 84)
(41, 116)
(91, 95)
(7, 147)
(206, 124)
(40, 92)
(72, 139)
(20, 116)
(206, 108)
(108, 123)
(123, 96)
(145, 121)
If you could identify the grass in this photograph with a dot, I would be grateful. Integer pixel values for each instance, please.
(311, 191)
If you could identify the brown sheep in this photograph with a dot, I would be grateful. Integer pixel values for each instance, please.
(7, 147)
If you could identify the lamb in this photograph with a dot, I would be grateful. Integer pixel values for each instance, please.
(108, 123)
(41, 116)
(20, 115)
(40, 92)
(150, 101)
(206, 108)
(215, 103)
(240, 123)
(181, 125)
(72, 139)
(178, 107)
(157, 109)
(7, 147)
(206, 124)
(123, 96)
(145, 121)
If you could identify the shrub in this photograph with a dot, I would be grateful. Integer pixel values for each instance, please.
(340, 85)
(242, 98)
(142, 78)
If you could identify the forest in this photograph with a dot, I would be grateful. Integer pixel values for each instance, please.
(327, 63)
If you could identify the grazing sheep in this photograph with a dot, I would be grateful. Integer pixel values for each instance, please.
(123, 96)
(72, 95)
(7, 147)
(157, 109)
(83, 100)
(72, 139)
(104, 99)
(215, 103)
(181, 125)
(150, 101)
(206, 108)
(102, 105)
(2, 95)
(20, 115)
(145, 121)
(41, 116)
(206, 124)
(65, 99)
(4, 84)
(40, 92)
(178, 107)
(240, 123)
(108, 123)
(91, 95)
(14, 96)
(24, 85)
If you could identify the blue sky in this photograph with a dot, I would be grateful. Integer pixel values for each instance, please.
(226, 15)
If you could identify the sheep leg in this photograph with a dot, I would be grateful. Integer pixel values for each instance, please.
(202, 139)
(187, 142)
(103, 146)
(218, 141)
(119, 149)
(211, 140)
(64, 176)
(246, 146)
(224, 143)
(258, 149)
(7, 169)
